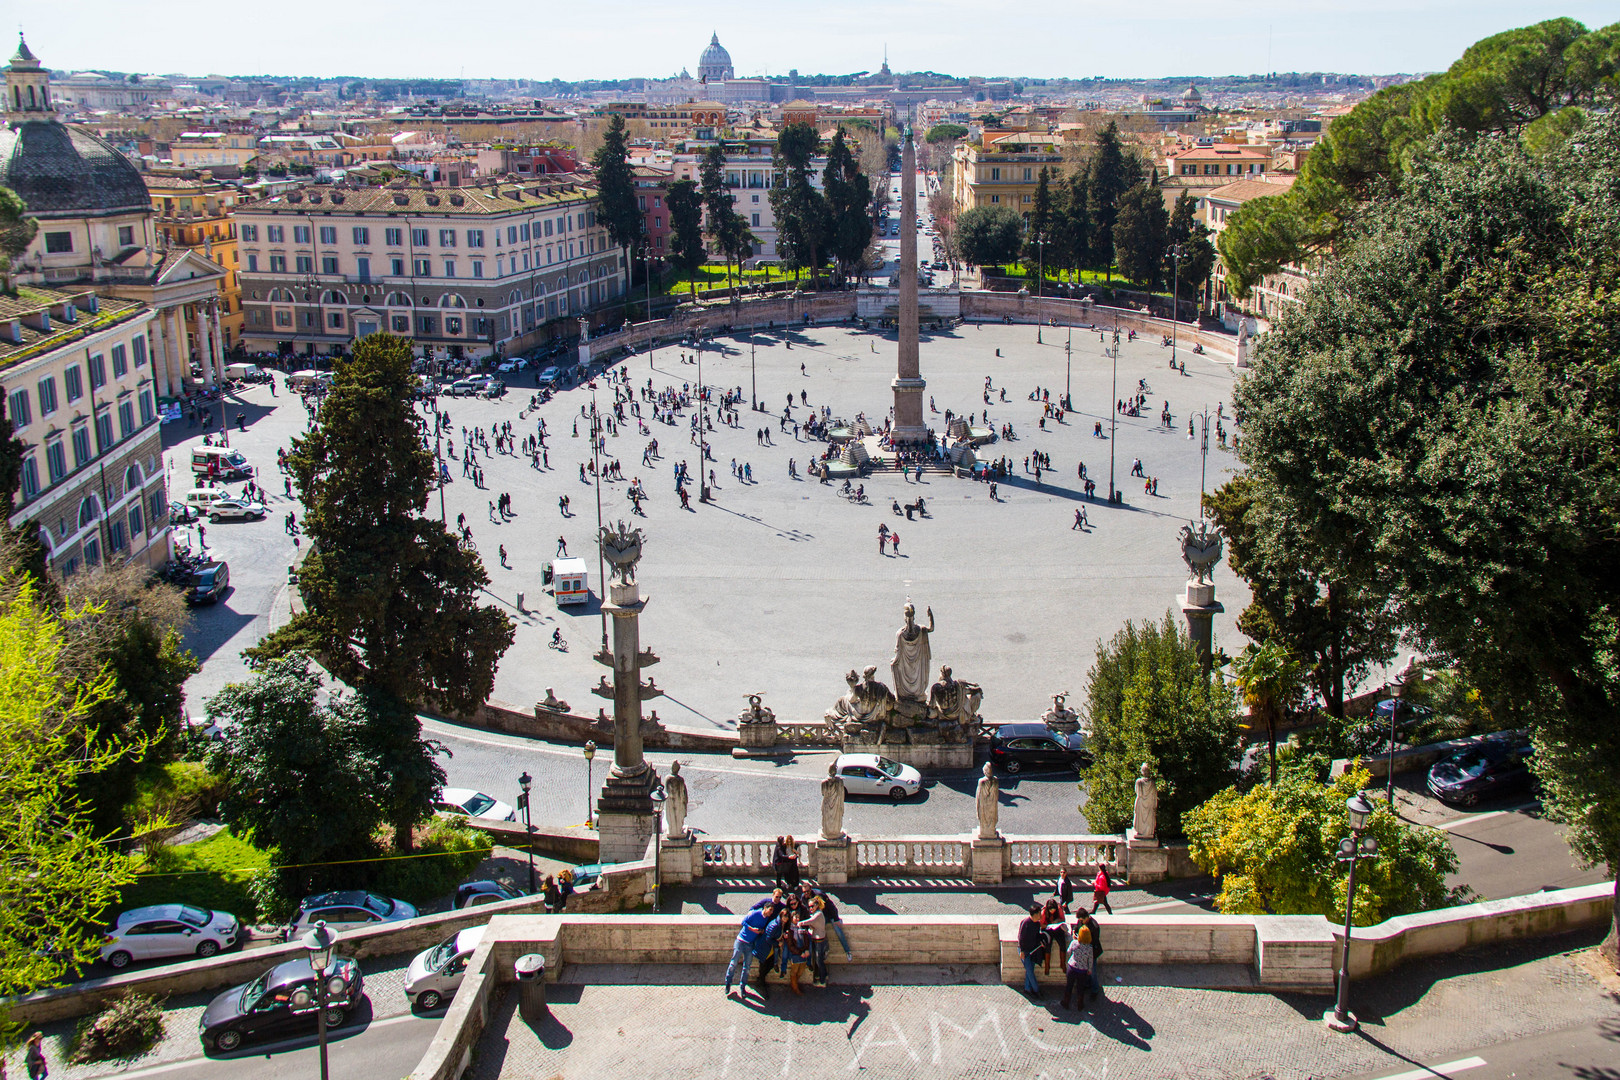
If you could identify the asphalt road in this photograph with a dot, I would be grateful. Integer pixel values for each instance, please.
(1589, 1051)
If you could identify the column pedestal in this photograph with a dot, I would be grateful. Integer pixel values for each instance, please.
(834, 860)
(1200, 607)
(1145, 861)
(677, 859)
(624, 816)
(988, 861)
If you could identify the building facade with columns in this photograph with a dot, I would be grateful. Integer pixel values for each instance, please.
(77, 375)
(196, 213)
(96, 231)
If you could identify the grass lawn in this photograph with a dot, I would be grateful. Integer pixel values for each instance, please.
(711, 276)
(1084, 277)
(211, 873)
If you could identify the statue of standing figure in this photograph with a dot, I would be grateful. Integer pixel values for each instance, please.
(987, 800)
(832, 804)
(912, 657)
(675, 803)
(1145, 818)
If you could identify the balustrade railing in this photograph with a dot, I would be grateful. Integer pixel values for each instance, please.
(921, 856)
(911, 857)
(1044, 856)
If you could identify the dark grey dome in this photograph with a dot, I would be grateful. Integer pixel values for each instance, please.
(61, 171)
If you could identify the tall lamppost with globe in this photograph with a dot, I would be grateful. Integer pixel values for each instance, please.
(590, 753)
(525, 782)
(1351, 848)
(319, 943)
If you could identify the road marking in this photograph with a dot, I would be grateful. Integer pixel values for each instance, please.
(267, 1048)
(1447, 826)
(1447, 1069)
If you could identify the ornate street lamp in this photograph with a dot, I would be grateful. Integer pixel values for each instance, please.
(590, 752)
(525, 782)
(319, 943)
(1351, 848)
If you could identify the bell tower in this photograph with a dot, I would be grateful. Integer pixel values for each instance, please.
(28, 87)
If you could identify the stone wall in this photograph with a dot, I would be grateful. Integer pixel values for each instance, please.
(570, 728)
(1059, 312)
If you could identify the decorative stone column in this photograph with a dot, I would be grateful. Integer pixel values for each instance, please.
(173, 353)
(1201, 549)
(218, 339)
(625, 811)
(204, 347)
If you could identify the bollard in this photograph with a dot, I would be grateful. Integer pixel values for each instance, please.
(530, 972)
(520, 601)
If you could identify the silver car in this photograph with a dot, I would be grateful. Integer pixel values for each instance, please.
(348, 910)
(168, 930)
(436, 973)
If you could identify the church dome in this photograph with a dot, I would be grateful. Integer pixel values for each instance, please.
(1191, 96)
(61, 171)
(715, 55)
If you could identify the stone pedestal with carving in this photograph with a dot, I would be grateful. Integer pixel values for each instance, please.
(759, 736)
(625, 820)
(1145, 860)
(987, 861)
(833, 860)
(920, 756)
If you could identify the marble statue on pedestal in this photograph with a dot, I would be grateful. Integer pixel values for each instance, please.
(553, 703)
(756, 713)
(954, 705)
(1201, 549)
(868, 703)
(675, 803)
(912, 657)
(1145, 818)
(987, 800)
(1060, 717)
(832, 804)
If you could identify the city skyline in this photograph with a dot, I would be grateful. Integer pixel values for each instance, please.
(637, 39)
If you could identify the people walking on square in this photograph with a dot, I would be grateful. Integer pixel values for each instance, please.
(562, 546)
(502, 548)
(1082, 916)
(1032, 946)
(1100, 889)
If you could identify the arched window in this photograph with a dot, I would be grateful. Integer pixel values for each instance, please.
(562, 284)
(514, 297)
(332, 296)
(397, 299)
(88, 511)
(539, 292)
(452, 300)
(132, 478)
(280, 296)
(584, 277)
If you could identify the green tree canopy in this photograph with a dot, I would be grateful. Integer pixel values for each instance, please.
(1150, 702)
(685, 206)
(615, 182)
(17, 231)
(1141, 224)
(989, 235)
(1110, 173)
(1273, 848)
(1437, 421)
(1508, 83)
(848, 195)
(943, 133)
(1197, 250)
(59, 875)
(803, 222)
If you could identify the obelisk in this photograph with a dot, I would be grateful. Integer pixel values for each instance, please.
(909, 426)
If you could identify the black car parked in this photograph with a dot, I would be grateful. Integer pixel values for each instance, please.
(1495, 766)
(1015, 746)
(280, 1002)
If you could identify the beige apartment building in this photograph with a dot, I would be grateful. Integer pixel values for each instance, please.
(465, 272)
(77, 377)
(1272, 292)
(1004, 170)
(195, 214)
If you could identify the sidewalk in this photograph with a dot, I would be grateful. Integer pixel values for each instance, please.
(940, 896)
(1420, 1015)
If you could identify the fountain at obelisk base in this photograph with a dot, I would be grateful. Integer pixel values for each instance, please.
(925, 725)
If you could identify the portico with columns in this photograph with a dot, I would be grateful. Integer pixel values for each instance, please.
(184, 289)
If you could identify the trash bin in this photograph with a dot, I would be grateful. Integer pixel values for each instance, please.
(530, 971)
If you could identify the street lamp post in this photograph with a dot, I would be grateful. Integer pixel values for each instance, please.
(597, 428)
(1402, 680)
(1351, 848)
(525, 782)
(703, 423)
(319, 942)
(590, 752)
(1068, 371)
(1113, 417)
(648, 261)
(657, 795)
(1175, 253)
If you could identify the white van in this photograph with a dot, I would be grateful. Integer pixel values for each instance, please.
(220, 463)
(570, 581)
(203, 499)
(243, 371)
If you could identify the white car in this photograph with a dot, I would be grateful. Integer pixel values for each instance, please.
(234, 509)
(436, 973)
(872, 774)
(151, 933)
(466, 802)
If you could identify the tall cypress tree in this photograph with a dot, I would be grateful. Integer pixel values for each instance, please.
(616, 189)
(848, 195)
(685, 205)
(800, 210)
(1139, 234)
(1111, 173)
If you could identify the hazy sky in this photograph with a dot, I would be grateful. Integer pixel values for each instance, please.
(621, 38)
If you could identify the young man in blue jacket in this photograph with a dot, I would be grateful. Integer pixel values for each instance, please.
(754, 925)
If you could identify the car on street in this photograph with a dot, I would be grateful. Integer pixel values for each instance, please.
(1016, 747)
(435, 974)
(282, 1001)
(181, 512)
(473, 804)
(168, 930)
(873, 774)
(517, 364)
(1497, 765)
(209, 583)
(465, 387)
(479, 893)
(549, 375)
(346, 910)
(236, 510)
